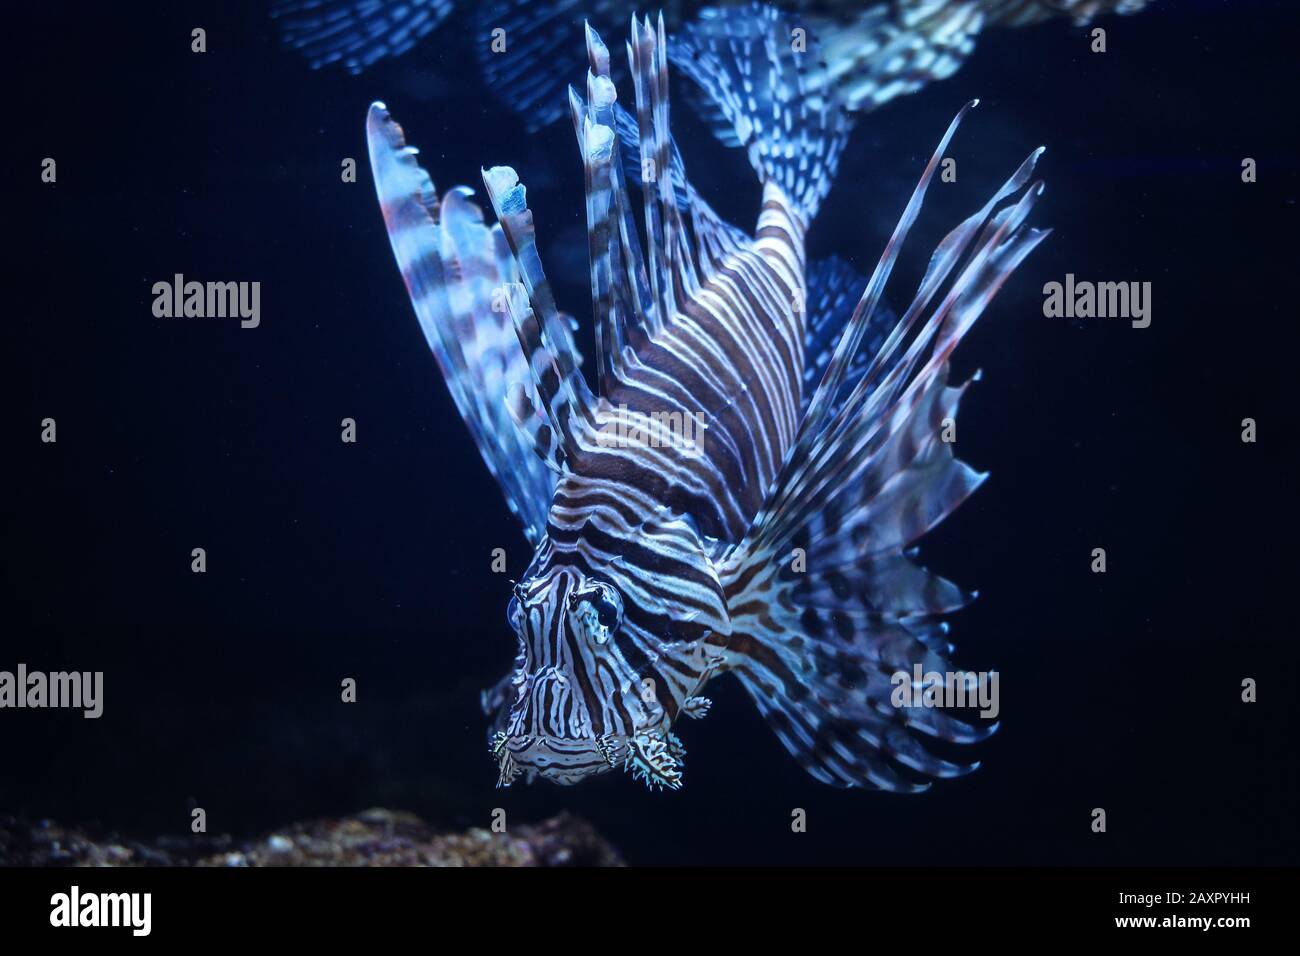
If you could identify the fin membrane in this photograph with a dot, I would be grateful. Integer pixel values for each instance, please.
(885, 52)
(355, 33)
(890, 50)
(538, 53)
(834, 287)
(1018, 13)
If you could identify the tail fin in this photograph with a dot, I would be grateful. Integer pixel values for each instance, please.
(819, 640)
(752, 61)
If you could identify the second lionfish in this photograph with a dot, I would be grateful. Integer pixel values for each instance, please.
(779, 547)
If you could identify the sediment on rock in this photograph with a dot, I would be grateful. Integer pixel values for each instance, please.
(372, 838)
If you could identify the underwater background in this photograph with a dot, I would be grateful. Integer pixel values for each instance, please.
(372, 561)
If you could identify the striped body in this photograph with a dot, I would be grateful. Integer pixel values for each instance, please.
(639, 517)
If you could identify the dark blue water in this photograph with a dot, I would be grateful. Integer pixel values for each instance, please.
(371, 560)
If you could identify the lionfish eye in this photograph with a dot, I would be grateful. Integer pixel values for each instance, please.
(606, 612)
(598, 611)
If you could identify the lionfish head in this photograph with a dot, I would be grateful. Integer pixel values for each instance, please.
(576, 709)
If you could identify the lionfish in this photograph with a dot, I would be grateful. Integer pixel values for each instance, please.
(875, 50)
(779, 547)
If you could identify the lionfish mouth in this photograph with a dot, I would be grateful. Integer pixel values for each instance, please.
(653, 756)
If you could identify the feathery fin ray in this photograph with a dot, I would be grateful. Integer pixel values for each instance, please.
(868, 476)
(454, 266)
